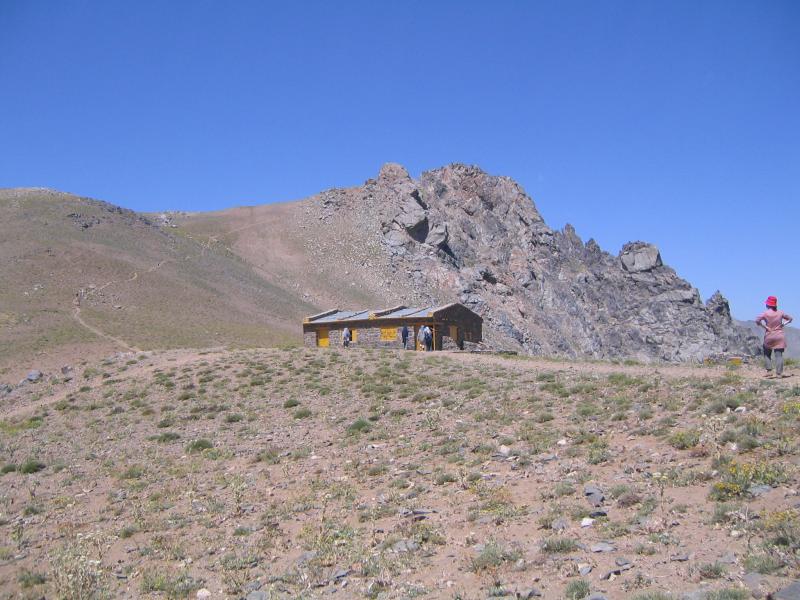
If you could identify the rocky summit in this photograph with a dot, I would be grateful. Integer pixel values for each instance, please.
(461, 234)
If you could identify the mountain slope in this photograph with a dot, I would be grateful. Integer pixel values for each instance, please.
(84, 277)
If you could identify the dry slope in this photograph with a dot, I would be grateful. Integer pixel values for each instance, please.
(82, 276)
(302, 473)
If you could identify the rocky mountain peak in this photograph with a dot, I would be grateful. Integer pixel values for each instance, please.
(465, 234)
(457, 233)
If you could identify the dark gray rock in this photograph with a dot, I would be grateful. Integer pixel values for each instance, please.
(759, 490)
(679, 557)
(594, 495)
(528, 593)
(256, 595)
(790, 592)
(340, 574)
(34, 376)
(639, 256)
(752, 581)
(253, 586)
(602, 547)
(306, 557)
(404, 546)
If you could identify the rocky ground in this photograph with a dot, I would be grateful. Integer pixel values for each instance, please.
(300, 473)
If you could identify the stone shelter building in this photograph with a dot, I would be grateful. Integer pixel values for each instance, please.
(453, 326)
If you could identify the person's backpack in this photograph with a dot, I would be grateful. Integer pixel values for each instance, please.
(427, 336)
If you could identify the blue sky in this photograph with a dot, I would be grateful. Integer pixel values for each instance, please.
(674, 122)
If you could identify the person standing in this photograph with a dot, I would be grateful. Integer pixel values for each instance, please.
(772, 321)
(404, 336)
(346, 337)
(428, 339)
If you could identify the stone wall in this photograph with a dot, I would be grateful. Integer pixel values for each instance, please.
(370, 337)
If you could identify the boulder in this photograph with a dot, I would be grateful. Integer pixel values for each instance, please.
(639, 256)
(437, 236)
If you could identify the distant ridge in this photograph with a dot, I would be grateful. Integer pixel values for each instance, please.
(87, 277)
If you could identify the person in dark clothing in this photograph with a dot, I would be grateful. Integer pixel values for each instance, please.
(428, 337)
(404, 335)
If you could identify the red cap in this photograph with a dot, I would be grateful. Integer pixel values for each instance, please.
(772, 301)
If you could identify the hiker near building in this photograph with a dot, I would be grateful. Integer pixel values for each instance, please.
(427, 336)
(346, 337)
(451, 327)
(772, 321)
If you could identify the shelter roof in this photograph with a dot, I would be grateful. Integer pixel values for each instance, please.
(397, 312)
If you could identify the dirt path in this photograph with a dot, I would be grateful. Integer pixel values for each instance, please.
(76, 314)
(76, 311)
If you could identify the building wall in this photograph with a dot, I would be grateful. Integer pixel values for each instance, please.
(468, 324)
(309, 339)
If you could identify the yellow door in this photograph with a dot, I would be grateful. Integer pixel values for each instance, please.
(454, 333)
(354, 335)
(323, 341)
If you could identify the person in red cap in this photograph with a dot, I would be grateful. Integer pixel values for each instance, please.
(772, 321)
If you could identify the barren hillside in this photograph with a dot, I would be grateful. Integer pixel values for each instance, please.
(306, 473)
(85, 277)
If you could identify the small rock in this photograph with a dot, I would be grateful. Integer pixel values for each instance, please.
(529, 593)
(740, 409)
(587, 522)
(340, 574)
(256, 595)
(203, 593)
(584, 569)
(752, 581)
(596, 514)
(405, 546)
(759, 490)
(548, 458)
(621, 561)
(306, 557)
(562, 442)
(559, 524)
(602, 547)
(34, 376)
(594, 495)
(679, 557)
(504, 450)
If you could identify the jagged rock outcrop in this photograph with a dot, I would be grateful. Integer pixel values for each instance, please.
(462, 234)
